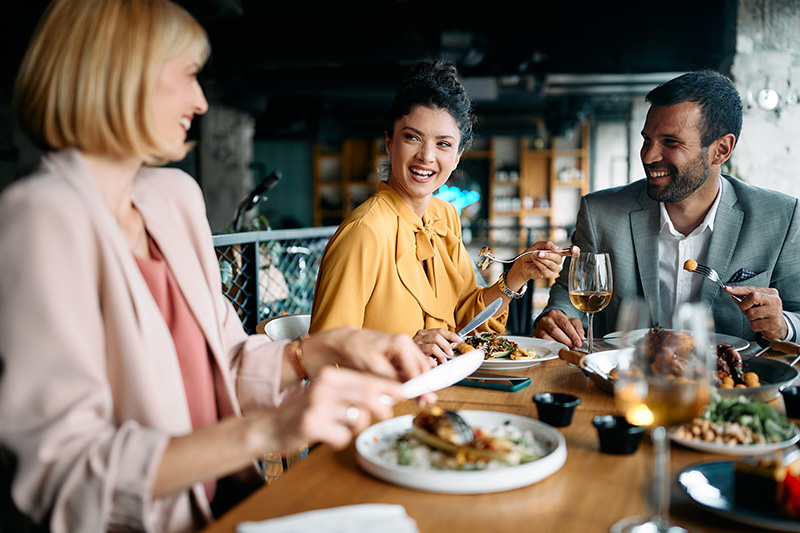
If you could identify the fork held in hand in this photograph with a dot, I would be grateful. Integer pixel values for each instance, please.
(693, 266)
(488, 258)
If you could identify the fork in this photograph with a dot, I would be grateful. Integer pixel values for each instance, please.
(693, 266)
(488, 258)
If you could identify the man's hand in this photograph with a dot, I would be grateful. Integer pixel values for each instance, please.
(763, 308)
(557, 326)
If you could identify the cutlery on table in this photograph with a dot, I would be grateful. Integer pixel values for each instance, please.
(444, 375)
(579, 359)
(488, 258)
(481, 317)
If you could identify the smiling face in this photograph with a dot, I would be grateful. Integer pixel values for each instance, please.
(424, 151)
(177, 98)
(674, 159)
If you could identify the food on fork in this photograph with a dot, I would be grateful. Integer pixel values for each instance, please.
(486, 255)
(690, 265)
(496, 346)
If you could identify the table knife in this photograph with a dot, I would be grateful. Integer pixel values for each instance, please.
(482, 317)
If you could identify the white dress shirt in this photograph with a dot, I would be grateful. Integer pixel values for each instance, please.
(677, 285)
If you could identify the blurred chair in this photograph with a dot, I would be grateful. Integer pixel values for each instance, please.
(285, 327)
(520, 312)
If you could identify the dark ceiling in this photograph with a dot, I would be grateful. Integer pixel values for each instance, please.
(300, 67)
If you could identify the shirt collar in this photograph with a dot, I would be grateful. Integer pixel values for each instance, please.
(708, 221)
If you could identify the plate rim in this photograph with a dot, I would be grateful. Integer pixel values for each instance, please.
(466, 482)
(611, 337)
(736, 449)
(751, 518)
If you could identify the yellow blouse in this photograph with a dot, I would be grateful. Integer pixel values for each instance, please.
(372, 276)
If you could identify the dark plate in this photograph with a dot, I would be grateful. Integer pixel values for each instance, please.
(710, 485)
(774, 375)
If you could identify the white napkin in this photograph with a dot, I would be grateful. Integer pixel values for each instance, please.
(370, 517)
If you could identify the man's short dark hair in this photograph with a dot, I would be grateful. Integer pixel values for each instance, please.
(719, 101)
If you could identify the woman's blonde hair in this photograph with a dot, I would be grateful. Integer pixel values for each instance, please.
(88, 75)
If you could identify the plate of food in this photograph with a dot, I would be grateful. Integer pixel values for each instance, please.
(509, 352)
(737, 426)
(621, 339)
(430, 451)
(757, 378)
(757, 493)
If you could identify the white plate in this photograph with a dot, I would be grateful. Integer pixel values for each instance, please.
(735, 449)
(463, 482)
(547, 350)
(711, 485)
(616, 339)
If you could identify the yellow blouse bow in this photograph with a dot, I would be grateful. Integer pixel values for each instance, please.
(425, 236)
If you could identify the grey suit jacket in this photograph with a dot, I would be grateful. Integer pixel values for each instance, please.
(755, 228)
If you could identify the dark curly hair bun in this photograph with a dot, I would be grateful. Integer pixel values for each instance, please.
(436, 85)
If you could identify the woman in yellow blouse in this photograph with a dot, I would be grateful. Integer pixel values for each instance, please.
(397, 263)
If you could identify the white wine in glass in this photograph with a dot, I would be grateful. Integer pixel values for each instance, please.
(666, 382)
(590, 286)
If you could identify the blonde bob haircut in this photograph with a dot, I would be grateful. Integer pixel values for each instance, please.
(87, 78)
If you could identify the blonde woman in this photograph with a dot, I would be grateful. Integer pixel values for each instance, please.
(130, 395)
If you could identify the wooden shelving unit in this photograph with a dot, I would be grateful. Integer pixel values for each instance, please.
(344, 176)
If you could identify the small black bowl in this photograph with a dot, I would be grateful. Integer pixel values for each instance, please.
(556, 408)
(617, 435)
(791, 399)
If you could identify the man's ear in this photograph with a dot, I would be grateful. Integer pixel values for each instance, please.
(722, 148)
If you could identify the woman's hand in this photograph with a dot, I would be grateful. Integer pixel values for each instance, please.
(544, 263)
(392, 356)
(336, 406)
(436, 342)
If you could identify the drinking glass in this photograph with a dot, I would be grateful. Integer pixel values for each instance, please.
(665, 382)
(590, 286)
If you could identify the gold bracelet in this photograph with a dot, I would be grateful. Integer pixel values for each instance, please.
(296, 356)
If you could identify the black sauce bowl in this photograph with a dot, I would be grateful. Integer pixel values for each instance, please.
(617, 435)
(791, 399)
(556, 408)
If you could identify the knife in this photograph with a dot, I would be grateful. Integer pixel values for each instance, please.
(482, 317)
(443, 375)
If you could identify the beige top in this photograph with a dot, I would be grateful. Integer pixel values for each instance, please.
(372, 275)
(91, 389)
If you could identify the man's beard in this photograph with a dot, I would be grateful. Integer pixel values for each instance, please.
(683, 183)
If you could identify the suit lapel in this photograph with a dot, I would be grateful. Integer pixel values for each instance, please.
(644, 228)
(727, 225)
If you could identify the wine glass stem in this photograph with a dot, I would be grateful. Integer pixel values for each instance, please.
(591, 331)
(661, 482)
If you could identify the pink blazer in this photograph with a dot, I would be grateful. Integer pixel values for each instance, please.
(90, 389)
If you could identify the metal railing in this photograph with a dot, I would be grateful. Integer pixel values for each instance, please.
(271, 273)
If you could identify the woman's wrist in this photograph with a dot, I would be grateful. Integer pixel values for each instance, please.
(321, 350)
(514, 281)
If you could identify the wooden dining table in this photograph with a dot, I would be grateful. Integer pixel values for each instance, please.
(590, 492)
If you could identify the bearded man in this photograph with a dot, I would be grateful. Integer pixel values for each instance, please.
(684, 209)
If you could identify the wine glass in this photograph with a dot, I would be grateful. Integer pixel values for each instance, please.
(665, 382)
(590, 286)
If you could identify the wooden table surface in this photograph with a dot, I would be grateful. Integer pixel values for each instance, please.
(591, 492)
